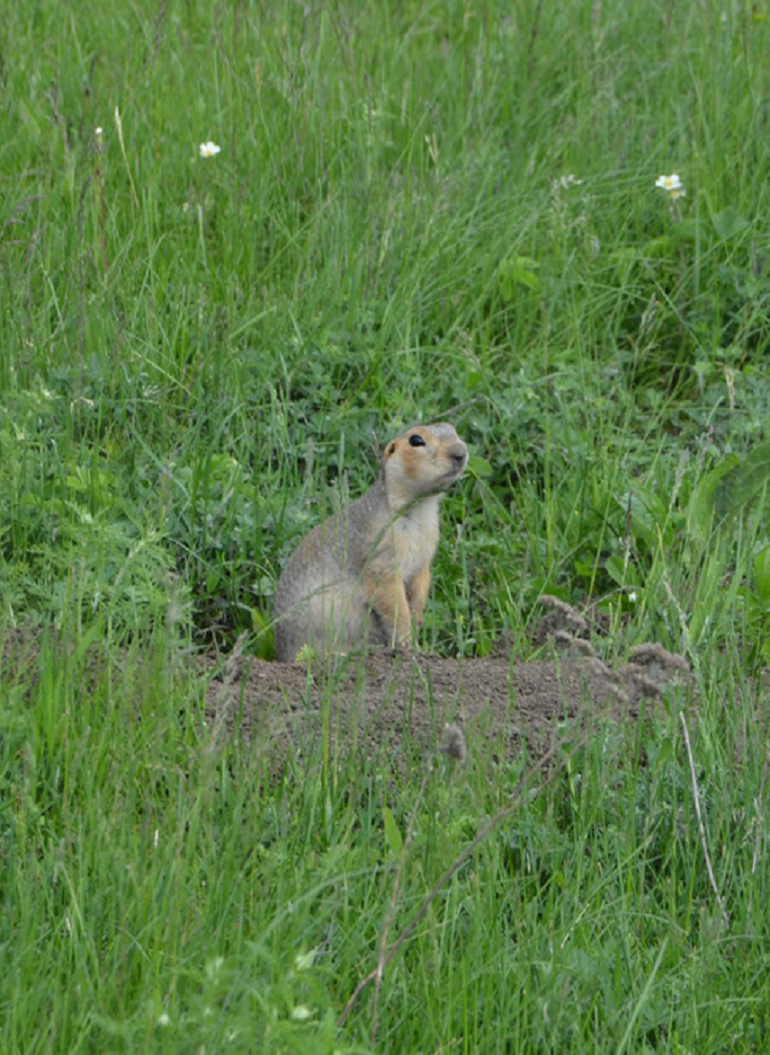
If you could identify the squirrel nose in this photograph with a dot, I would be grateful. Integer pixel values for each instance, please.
(459, 455)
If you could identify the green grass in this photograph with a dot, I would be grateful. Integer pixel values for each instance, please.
(195, 352)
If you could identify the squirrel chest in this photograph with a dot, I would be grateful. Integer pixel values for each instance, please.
(415, 537)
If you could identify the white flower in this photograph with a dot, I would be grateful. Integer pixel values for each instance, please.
(669, 182)
(164, 1020)
(301, 1013)
(98, 132)
(213, 968)
(632, 597)
(672, 184)
(568, 181)
(209, 150)
(304, 961)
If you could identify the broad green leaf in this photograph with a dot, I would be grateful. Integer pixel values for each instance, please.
(624, 574)
(729, 222)
(520, 271)
(748, 478)
(479, 466)
(657, 246)
(686, 232)
(392, 834)
(702, 502)
(647, 514)
(662, 754)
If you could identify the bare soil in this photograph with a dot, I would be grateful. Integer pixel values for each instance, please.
(402, 702)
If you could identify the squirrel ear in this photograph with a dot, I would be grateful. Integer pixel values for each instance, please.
(390, 450)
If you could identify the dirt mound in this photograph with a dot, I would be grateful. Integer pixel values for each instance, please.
(399, 700)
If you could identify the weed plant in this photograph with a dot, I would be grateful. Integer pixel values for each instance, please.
(420, 209)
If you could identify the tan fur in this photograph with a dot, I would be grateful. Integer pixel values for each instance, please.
(363, 575)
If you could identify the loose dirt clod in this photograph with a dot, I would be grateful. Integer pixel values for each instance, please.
(564, 612)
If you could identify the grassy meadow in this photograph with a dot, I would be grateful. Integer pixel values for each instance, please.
(420, 210)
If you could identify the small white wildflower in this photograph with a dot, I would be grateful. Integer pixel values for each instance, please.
(301, 1013)
(164, 1020)
(98, 132)
(632, 597)
(213, 968)
(209, 150)
(568, 181)
(672, 184)
(304, 961)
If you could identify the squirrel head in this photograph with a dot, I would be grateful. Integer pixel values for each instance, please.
(424, 460)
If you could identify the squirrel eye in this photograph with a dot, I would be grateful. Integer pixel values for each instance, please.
(416, 441)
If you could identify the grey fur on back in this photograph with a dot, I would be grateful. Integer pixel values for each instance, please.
(323, 574)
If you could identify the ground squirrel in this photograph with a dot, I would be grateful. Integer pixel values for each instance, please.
(362, 576)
